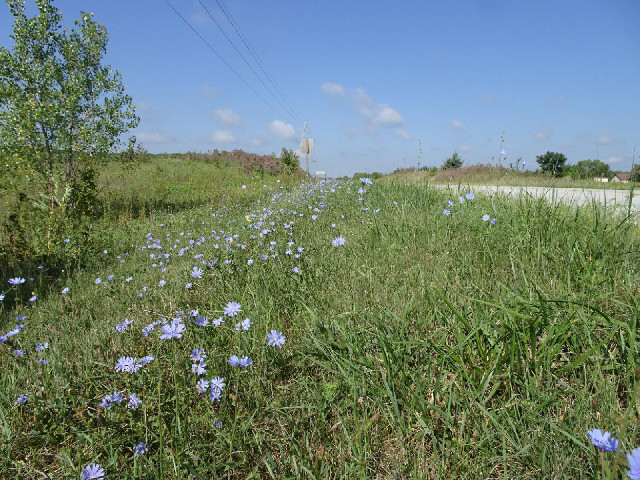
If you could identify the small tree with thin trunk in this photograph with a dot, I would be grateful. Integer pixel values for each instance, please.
(61, 110)
(453, 162)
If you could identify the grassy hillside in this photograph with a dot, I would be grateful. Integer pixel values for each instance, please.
(482, 343)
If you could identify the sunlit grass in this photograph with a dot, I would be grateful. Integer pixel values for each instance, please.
(426, 346)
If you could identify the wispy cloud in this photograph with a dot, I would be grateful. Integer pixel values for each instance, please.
(283, 130)
(374, 115)
(543, 134)
(147, 111)
(223, 136)
(464, 148)
(154, 138)
(458, 125)
(228, 118)
(207, 91)
(402, 133)
(333, 89)
(613, 160)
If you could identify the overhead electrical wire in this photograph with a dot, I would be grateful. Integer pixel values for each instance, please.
(284, 107)
(223, 60)
(255, 56)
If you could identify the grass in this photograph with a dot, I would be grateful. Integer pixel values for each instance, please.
(489, 175)
(428, 346)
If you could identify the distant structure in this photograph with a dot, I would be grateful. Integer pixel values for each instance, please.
(621, 177)
(320, 174)
(602, 179)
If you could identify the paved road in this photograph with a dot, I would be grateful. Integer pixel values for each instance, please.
(612, 199)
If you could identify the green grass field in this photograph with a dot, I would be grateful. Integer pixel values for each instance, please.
(426, 346)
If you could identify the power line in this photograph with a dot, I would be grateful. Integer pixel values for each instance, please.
(284, 108)
(220, 57)
(255, 56)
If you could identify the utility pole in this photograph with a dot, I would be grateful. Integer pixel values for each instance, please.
(305, 146)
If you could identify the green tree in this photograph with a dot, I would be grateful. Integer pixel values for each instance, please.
(61, 110)
(453, 162)
(635, 173)
(591, 169)
(290, 160)
(552, 162)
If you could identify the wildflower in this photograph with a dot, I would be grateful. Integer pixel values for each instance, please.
(450, 203)
(524, 164)
(215, 395)
(603, 440)
(16, 280)
(44, 362)
(246, 361)
(446, 212)
(197, 354)
(1, 296)
(93, 472)
(140, 448)
(34, 298)
(145, 360)
(197, 273)
(634, 464)
(295, 270)
(18, 353)
(201, 321)
(250, 262)
(218, 321)
(106, 402)
(202, 385)
(218, 423)
(42, 346)
(174, 330)
(494, 221)
(470, 196)
(275, 339)
(122, 326)
(134, 401)
(21, 399)
(125, 364)
(117, 397)
(217, 383)
(188, 285)
(65, 290)
(234, 361)
(232, 309)
(66, 240)
(162, 283)
(485, 218)
(501, 152)
(339, 241)
(244, 325)
(461, 200)
(314, 217)
(97, 281)
(300, 249)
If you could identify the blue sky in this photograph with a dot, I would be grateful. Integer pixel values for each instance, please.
(375, 79)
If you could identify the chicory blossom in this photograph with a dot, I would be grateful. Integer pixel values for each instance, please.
(603, 440)
(275, 339)
(93, 472)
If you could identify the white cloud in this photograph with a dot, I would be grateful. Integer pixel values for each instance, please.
(402, 133)
(207, 91)
(613, 160)
(464, 148)
(223, 136)
(257, 141)
(387, 117)
(543, 134)
(154, 138)
(333, 89)
(283, 130)
(458, 125)
(228, 118)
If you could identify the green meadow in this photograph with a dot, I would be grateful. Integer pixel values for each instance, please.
(423, 346)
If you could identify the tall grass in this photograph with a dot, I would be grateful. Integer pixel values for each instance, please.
(428, 346)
